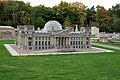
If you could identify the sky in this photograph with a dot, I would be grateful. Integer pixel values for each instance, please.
(50, 3)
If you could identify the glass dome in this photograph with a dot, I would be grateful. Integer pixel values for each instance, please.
(52, 26)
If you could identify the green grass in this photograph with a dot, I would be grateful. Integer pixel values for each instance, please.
(99, 66)
(107, 44)
(93, 36)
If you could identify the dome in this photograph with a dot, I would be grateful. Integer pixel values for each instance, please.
(52, 26)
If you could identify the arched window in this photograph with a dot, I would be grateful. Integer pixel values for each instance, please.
(30, 38)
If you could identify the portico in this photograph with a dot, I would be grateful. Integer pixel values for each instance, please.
(62, 42)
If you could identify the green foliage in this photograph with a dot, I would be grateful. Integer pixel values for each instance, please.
(39, 22)
(91, 16)
(102, 18)
(15, 13)
(93, 36)
(114, 12)
(67, 22)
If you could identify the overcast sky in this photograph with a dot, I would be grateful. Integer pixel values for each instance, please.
(50, 3)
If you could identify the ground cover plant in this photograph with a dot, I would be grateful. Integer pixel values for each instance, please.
(94, 66)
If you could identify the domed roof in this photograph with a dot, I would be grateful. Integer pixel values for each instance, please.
(52, 26)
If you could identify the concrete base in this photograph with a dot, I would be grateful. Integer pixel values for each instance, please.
(16, 51)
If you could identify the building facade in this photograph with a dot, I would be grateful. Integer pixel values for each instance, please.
(7, 33)
(52, 37)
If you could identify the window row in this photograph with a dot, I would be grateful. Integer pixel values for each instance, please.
(42, 47)
(42, 43)
(79, 38)
(42, 38)
(78, 43)
(80, 46)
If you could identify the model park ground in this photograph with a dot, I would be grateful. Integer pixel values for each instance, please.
(93, 66)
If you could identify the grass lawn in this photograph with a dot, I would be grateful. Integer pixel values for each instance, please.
(99, 66)
(108, 44)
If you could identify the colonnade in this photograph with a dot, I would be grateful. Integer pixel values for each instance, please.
(61, 42)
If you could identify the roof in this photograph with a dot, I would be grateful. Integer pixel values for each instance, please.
(10, 27)
(52, 26)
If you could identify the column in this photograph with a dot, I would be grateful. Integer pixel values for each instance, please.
(54, 42)
(67, 42)
(63, 41)
(59, 41)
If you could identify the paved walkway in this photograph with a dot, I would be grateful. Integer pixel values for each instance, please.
(112, 47)
(11, 50)
(14, 51)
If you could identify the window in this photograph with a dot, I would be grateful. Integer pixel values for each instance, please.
(36, 43)
(36, 47)
(48, 42)
(76, 42)
(30, 47)
(49, 38)
(87, 43)
(29, 43)
(39, 47)
(81, 42)
(81, 46)
(36, 38)
(71, 43)
(87, 38)
(45, 42)
(42, 42)
(87, 46)
(39, 43)
(30, 38)
(39, 38)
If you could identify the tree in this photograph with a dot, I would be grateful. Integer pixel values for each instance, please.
(116, 24)
(102, 18)
(91, 16)
(114, 12)
(79, 11)
(38, 22)
(76, 12)
(67, 22)
(1, 11)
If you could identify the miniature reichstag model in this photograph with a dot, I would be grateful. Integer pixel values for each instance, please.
(52, 37)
